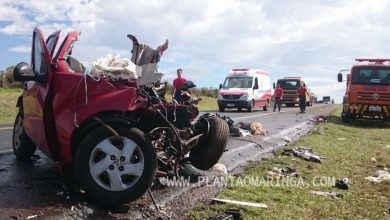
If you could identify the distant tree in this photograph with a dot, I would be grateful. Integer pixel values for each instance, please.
(1, 78)
(8, 78)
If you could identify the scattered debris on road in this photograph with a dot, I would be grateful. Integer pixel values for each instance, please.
(220, 168)
(281, 163)
(304, 153)
(242, 129)
(257, 128)
(342, 184)
(31, 217)
(278, 173)
(231, 214)
(252, 204)
(286, 139)
(320, 119)
(379, 176)
(334, 195)
(318, 130)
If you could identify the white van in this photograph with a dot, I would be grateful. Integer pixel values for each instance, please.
(245, 88)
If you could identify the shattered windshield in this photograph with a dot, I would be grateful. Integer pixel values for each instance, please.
(238, 82)
(289, 84)
(371, 75)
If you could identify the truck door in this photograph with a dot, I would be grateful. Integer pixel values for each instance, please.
(34, 100)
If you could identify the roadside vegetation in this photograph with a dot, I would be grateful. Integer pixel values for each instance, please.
(208, 96)
(8, 110)
(353, 151)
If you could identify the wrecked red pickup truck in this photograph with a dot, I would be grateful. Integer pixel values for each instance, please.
(113, 135)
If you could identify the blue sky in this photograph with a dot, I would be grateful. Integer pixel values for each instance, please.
(312, 39)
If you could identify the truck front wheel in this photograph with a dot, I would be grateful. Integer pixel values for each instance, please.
(345, 118)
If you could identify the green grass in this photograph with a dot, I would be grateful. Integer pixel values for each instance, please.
(207, 103)
(8, 110)
(349, 158)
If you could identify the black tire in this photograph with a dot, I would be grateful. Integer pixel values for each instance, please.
(97, 189)
(207, 153)
(251, 106)
(265, 107)
(24, 148)
(345, 118)
(239, 109)
(221, 109)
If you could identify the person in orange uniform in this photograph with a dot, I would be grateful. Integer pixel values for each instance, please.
(302, 97)
(177, 84)
(278, 95)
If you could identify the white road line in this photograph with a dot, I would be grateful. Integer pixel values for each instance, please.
(5, 151)
(6, 128)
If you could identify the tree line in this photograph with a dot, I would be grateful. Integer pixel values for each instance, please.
(7, 79)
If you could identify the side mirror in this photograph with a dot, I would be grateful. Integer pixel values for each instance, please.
(23, 72)
(274, 86)
(340, 77)
(256, 86)
(220, 86)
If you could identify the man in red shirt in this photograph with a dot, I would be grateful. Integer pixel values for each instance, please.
(177, 84)
(278, 95)
(302, 97)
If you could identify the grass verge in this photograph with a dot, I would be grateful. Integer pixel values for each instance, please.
(8, 110)
(207, 103)
(349, 149)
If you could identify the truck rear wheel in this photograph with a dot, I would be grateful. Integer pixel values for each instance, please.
(207, 153)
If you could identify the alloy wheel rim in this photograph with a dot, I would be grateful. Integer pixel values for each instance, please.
(116, 163)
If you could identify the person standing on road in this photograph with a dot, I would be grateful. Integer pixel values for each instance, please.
(302, 97)
(278, 95)
(177, 84)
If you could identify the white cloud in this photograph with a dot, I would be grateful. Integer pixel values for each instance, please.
(314, 39)
(20, 49)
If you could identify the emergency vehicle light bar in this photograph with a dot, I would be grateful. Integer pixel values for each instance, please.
(242, 69)
(293, 77)
(376, 60)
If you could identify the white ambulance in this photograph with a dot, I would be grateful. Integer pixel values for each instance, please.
(245, 88)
